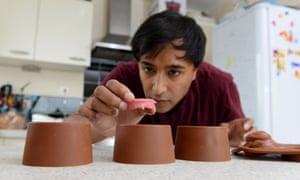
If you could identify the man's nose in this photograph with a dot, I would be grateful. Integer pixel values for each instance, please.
(159, 84)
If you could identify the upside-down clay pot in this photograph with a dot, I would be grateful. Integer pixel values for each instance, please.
(202, 143)
(57, 144)
(144, 144)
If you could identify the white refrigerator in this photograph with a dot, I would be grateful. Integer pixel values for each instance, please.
(260, 47)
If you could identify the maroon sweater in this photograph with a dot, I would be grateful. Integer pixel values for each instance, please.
(212, 98)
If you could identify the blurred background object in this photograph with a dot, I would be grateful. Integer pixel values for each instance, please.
(12, 120)
(6, 97)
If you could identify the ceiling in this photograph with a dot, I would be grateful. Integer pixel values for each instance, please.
(219, 8)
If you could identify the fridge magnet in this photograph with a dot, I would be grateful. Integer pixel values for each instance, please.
(287, 35)
(297, 74)
(286, 13)
(289, 52)
(296, 66)
(230, 60)
(279, 61)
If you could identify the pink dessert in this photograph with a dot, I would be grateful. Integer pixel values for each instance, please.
(142, 103)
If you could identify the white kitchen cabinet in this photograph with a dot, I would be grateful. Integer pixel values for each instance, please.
(64, 32)
(18, 28)
(47, 32)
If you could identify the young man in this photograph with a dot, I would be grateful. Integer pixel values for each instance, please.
(168, 68)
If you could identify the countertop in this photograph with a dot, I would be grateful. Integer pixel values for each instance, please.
(103, 167)
(13, 133)
(12, 137)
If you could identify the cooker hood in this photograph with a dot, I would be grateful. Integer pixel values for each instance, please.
(119, 30)
(115, 41)
(118, 36)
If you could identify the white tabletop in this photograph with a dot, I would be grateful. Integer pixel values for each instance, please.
(104, 168)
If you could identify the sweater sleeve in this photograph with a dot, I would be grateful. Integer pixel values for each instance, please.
(122, 72)
(232, 103)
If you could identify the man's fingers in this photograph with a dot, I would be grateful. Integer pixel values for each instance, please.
(108, 98)
(120, 90)
(248, 124)
(97, 105)
(114, 95)
(227, 126)
(87, 112)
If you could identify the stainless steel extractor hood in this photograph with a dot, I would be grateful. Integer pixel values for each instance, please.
(115, 41)
(118, 36)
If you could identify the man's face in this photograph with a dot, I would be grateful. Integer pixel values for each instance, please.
(166, 78)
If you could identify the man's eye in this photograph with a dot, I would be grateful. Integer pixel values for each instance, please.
(147, 69)
(174, 73)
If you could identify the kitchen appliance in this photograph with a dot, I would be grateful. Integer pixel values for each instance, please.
(114, 47)
(119, 28)
(260, 48)
(102, 62)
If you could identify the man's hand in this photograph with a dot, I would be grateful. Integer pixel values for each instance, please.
(107, 107)
(238, 130)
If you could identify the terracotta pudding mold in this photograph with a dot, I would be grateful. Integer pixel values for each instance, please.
(144, 144)
(57, 144)
(202, 143)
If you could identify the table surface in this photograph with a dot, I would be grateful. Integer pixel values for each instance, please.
(103, 167)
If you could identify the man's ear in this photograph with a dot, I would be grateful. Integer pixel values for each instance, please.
(195, 73)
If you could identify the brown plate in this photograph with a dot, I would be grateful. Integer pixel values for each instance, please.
(284, 149)
(290, 152)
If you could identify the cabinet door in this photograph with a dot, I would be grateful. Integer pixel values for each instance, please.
(64, 32)
(17, 28)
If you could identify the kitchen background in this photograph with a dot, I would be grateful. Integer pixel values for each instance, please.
(53, 53)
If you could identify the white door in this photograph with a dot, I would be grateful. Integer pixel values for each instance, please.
(239, 48)
(64, 32)
(285, 83)
(17, 28)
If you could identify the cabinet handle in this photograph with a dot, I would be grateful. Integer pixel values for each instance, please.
(76, 59)
(20, 52)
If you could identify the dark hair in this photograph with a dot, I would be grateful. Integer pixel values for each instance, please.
(162, 28)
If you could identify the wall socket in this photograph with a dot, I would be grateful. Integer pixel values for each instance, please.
(64, 91)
